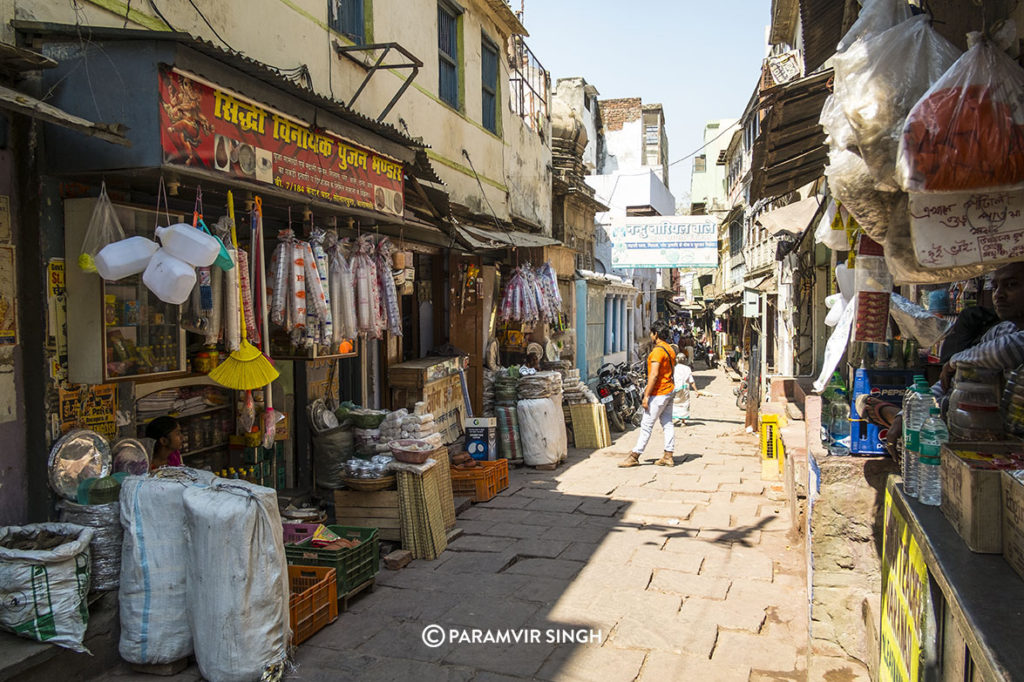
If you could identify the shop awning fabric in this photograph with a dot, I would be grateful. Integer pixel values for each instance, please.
(722, 307)
(484, 238)
(793, 218)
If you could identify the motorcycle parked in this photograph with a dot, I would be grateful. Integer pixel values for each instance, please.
(632, 407)
(741, 392)
(612, 395)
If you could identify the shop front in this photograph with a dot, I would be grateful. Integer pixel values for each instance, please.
(322, 216)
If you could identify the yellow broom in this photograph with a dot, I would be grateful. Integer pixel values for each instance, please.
(246, 368)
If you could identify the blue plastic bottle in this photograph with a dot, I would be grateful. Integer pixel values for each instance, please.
(863, 435)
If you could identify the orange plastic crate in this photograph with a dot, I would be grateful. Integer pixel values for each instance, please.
(481, 484)
(314, 600)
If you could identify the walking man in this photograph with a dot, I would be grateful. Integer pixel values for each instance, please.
(657, 401)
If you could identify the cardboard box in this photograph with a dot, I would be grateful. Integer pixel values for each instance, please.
(970, 474)
(481, 437)
(1013, 519)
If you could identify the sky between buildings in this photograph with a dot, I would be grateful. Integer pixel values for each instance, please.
(699, 59)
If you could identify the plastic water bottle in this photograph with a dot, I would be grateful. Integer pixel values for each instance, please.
(933, 435)
(908, 471)
(839, 425)
(917, 412)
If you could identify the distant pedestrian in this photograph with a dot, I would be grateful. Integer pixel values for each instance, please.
(657, 401)
(682, 378)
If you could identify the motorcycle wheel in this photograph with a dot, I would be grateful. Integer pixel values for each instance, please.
(615, 422)
(741, 400)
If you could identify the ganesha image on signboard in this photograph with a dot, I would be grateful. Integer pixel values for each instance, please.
(186, 122)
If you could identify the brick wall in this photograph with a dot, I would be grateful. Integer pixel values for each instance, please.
(616, 112)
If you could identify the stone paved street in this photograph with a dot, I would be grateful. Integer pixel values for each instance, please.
(687, 573)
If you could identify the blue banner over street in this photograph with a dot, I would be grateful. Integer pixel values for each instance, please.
(664, 242)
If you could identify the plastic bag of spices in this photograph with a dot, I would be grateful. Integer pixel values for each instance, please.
(880, 78)
(966, 133)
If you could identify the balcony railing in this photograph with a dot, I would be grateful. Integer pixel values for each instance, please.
(530, 84)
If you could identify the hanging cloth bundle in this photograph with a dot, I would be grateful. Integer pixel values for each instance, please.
(247, 368)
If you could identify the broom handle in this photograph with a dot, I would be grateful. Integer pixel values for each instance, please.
(234, 243)
(262, 273)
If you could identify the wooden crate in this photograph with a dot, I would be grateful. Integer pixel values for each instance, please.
(1012, 507)
(370, 510)
(971, 493)
(418, 373)
(590, 426)
(444, 401)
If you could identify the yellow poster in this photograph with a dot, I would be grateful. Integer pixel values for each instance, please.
(56, 319)
(90, 407)
(8, 298)
(904, 600)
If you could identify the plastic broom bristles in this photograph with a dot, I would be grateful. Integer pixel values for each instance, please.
(245, 369)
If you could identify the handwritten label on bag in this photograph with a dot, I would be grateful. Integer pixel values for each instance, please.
(964, 228)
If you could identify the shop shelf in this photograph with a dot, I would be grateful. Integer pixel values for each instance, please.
(314, 600)
(198, 451)
(483, 483)
(354, 566)
(215, 408)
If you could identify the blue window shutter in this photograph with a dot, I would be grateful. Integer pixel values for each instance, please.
(448, 56)
(346, 17)
(489, 86)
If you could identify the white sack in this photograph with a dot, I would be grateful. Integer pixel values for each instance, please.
(154, 608)
(237, 580)
(542, 430)
(45, 591)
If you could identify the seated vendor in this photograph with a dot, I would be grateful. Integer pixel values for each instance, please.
(166, 432)
(1002, 346)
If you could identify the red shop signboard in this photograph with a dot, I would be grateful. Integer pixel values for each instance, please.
(221, 131)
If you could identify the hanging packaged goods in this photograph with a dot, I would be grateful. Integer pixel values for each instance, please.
(531, 295)
(961, 159)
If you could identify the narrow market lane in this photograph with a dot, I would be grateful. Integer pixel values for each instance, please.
(682, 573)
(688, 573)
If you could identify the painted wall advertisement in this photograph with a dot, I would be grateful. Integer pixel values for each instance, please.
(905, 599)
(664, 242)
(217, 130)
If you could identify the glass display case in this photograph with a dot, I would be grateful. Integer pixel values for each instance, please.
(118, 330)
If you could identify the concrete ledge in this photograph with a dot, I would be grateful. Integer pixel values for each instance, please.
(794, 443)
(846, 546)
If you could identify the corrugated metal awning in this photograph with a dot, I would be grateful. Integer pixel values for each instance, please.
(488, 239)
(821, 26)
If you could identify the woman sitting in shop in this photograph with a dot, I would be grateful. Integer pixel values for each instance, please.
(166, 434)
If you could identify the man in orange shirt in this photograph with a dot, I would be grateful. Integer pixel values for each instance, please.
(657, 397)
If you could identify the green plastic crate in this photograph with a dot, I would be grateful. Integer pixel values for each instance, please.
(353, 566)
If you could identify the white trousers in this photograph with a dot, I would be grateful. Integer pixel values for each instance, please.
(659, 408)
